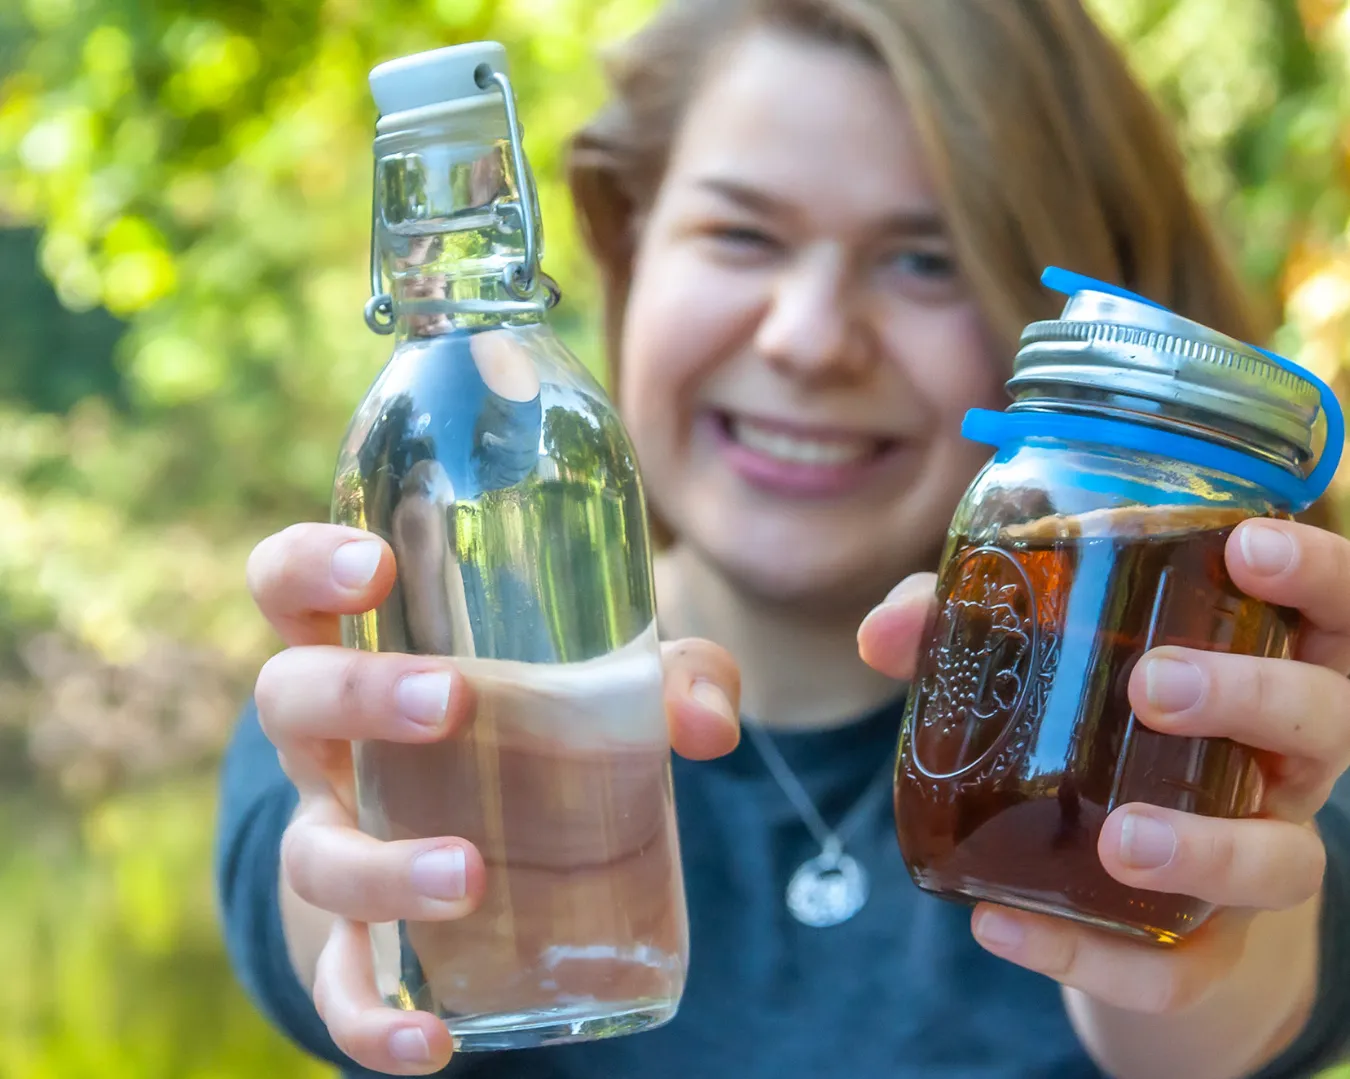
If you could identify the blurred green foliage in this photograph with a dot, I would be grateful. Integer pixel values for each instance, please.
(184, 190)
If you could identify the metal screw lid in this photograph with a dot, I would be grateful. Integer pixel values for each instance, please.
(1107, 354)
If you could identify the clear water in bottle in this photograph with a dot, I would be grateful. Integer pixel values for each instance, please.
(541, 584)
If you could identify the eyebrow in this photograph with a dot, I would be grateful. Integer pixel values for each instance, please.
(917, 222)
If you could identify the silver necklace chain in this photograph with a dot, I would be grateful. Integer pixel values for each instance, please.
(831, 887)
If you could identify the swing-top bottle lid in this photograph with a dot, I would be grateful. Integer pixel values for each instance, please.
(438, 77)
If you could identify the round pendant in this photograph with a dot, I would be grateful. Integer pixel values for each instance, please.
(826, 890)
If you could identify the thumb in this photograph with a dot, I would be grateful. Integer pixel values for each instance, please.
(890, 637)
(702, 694)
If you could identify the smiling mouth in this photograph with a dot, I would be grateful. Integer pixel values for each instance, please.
(801, 446)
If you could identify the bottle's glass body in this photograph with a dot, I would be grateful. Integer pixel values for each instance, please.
(498, 471)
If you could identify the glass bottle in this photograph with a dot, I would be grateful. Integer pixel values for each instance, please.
(1136, 441)
(500, 474)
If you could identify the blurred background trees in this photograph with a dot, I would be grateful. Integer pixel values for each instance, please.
(184, 210)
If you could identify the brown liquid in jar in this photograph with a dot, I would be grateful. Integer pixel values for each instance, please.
(1020, 738)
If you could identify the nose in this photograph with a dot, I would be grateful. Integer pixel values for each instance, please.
(812, 330)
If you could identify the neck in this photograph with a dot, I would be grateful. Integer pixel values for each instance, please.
(800, 669)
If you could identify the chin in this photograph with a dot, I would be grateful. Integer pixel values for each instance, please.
(817, 576)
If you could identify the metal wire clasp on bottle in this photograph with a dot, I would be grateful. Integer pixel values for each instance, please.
(522, 277)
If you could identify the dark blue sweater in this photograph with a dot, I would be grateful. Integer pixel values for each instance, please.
(901, 990)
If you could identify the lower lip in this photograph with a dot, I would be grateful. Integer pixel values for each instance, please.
(793, 478)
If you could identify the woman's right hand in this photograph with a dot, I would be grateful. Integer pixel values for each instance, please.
(314, 699)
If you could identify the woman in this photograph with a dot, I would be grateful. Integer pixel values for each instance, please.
(820, 225)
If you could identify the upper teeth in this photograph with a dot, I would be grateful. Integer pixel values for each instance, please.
(800, 450)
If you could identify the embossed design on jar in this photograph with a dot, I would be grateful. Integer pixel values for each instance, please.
(984, 664)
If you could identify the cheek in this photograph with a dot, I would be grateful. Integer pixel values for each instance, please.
(684, 317)
(951, 362)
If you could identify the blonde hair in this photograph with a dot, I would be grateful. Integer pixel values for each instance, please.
(1042, 146)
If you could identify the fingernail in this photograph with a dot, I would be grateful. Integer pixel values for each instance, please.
(440, 874)
(409, 1046)
(1173, 685)
(424, 698)
(1266, 550)
(1146, 842)
(1000, 930)
(713, 699)
(355, 563)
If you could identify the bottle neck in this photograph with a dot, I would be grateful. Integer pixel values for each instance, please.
(452, 285)
(449, 232)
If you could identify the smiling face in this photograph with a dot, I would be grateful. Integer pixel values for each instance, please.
(799, 347)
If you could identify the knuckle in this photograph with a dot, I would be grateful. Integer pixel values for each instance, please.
(1309, 694)
(1338, 728)
(1242, 684)
(1338, 559)
(1061, 955)
(296, 863)
(351, 683)
(260, 569)
(463, 702)
(267, 690)
(1217, 857)
(366, 888)
(270, 563)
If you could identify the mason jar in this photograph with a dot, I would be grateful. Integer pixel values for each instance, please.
(1135, 442)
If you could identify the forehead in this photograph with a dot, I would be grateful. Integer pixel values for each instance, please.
(808, 122)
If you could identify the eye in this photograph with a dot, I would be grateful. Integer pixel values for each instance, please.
(735, 244)
(925, 265)
(925, 275)
(743, 237)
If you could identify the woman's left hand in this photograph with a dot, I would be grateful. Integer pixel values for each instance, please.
(1296, 711)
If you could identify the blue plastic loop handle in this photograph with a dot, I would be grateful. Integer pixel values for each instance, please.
(1068, 283)
(1319, 479)
(1000, 428)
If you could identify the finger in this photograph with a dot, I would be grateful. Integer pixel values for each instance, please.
(1280, 705)
(322, 692)
(337, 868)
(305, 575)
(1299, 566)
(1259, 864)
(702, 695)
(891, 636)
(377, 1037)
(1110, 968)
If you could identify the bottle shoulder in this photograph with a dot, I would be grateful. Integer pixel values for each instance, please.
(484, 411)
